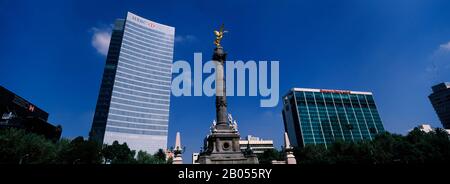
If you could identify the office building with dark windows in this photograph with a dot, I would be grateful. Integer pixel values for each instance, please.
(134, 98)
(440, 99)
(21, 114)
(320, 116)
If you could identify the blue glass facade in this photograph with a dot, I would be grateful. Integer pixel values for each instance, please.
(314, 116)
(134, 100)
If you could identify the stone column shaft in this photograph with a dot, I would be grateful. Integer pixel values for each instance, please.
(221, 100)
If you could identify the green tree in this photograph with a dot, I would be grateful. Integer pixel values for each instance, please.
(160, 154)
(438, 149)
(144, 158)
(118, 153)
(20, 147)
(160, 157)
(79, 151)
(61, 147)
(312, 154)
(338, 152)
(267, 156)
(384, 148)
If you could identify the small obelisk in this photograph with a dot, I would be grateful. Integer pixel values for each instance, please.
(177, 151)
(290, 158)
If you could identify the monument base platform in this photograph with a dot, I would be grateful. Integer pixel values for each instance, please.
(227, 158)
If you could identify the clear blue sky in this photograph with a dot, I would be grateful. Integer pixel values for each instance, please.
(396, 49)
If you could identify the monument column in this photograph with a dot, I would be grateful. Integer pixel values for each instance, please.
(219, 58)
(221, 146)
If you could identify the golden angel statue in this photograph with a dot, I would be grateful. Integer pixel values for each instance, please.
(219, 36)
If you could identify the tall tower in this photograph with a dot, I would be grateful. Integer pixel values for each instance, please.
(221, 146)
(134, 98)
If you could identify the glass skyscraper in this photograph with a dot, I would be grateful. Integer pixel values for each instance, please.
(134, 98)
(440, 99)
(320, 116)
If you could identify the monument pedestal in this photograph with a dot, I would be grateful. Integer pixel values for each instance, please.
(290, 158)
(177, 160)
(222, 147)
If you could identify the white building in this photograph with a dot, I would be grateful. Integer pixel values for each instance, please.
(427, 128)
(257, 144)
